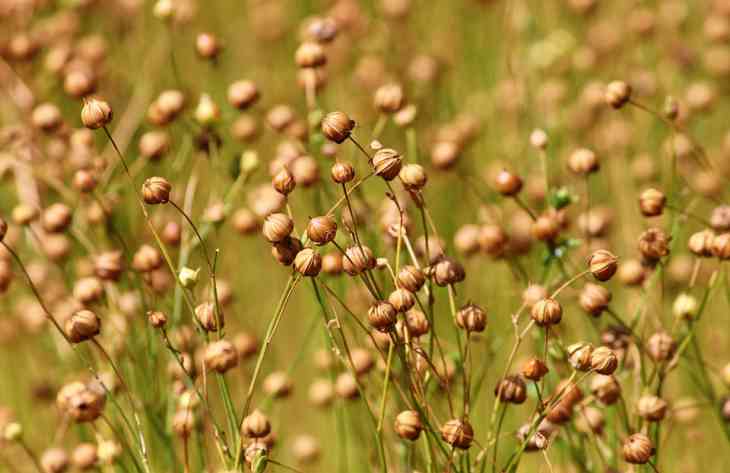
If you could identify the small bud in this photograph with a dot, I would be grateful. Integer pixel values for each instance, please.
(583, 161)
(208, 46)
(249, 162)
(156, 190)
(310, 54)
(12, 432)
(189, 277)
(685, 307)
(413, 176)
(539, 139)
(207, 111)
(389, 98)
(156, 318)
(96, 113)
(242, 94)
(507, 184)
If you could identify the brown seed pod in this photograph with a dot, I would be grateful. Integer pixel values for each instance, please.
(651, 408)
(447, 271)
(332, 263)
(208, 46)
(154, 144)
(445, 154)
(720, 246)
(411, 278)
(546, 227)
(458, 433)
(546, 312)
(583, 162)
(382, 316)
(654, 245)
(96, 113)
(47, 117)
(310, 54)
(389, 98)
(387, 163)
(242, 94)
(617, 93)
(156, 318)
(220, 356)
(109, 265)
(511, 389)
(84, 181)
(638, 449)
(183, 422)
(416, 322)
(56, 218)
(346, 386)
(286, 250)
(82, 326)
(604, 361)
(357, 259)
(322, 230)
(492, 240)
(308, 262)
(651, 202)
(602, 264)
(283, 181)
(54, 460)
(533, 294)
(606, 389)
(81, 402)
(84, 456)
(579, 356)
(402, 300)
(471, 318)
(408, 425)
(277, 227)
(661, 346)
(534, 369)
(156, 190)
(594, 299)
(342, 173)
(413, 177)
(146, 259)
(208, 317)
(507, 184)
(337, 126)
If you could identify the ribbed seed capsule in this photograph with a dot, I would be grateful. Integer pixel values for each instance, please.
(308, 262)
(546, 312)
(458, 433)
(638, 449)
(277, 227)
(408, 425)
(322, 230)
(337, 126)
(387, 163)
(382, 316)
(471, 318)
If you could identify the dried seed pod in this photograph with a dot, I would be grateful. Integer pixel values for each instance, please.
(308, 262)
(471, 318)
(84, 181)
(310, 54)
(278, 384)
(183, 422)
(54, 460)
(382, 316)
(661, 346)
(277, 227)
(332, 263)
(357, 259)
(534, 369)
(413, 177)
(617, 94)
(411, 278)
(346, 386)
(84, 456)
(387, 163)
(342, 172)
(96, 113)
(109, 265)
(651, 202)
(208, 46)
(146, 259)
(507, 184)
(208, 317)
(322, 230)
(583, 161)
(511, 389)
(546, 227)
(156, 318)
(408, 425)
(458, 433)
(492, 240)
(154, 144)
(82, 326)
(56, 218)
(651, 408)
(546, 312)
(654, 245)
(685, 306)
(389, 98)
(47, 117)
(720, 246)
(416, 322)
(80, 402)
(402, 300)
(285, 251)
(602, 264)
(447, 271)
(337, 126)
(604, 361)
(255, 425)
(606, 389)
(594, 299)
(533, 294)
(156, 190)
(220, 356)
(638, 449)
(242, 94)
(700, 243)
(579, 356)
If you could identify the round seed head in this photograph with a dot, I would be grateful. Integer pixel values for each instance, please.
(96, 113)
(546, 312)
(408, 425)
(617, 93)
(156, 190)
(638, 449)
(308, 262)
(458, 433)
(82, 326)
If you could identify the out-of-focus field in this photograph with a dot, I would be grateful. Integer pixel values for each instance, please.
(481, 76)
